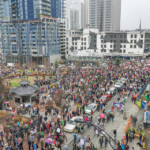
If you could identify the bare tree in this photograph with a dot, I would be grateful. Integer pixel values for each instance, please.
(32, 65)
(58, 98)
(3, 89)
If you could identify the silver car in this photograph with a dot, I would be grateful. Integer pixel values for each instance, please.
(112, 91)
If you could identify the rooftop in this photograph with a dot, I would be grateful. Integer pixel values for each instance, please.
(24, 89)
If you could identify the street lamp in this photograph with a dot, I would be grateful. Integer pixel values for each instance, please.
(99, 130)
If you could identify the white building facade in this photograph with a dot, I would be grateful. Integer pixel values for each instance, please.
(125, 43)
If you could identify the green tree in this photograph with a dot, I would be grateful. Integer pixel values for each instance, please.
(23, 74)
(117, 62)
(56, 64)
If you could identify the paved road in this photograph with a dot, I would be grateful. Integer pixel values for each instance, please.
(118, 124)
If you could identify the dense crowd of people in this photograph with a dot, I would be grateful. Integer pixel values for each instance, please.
(76, 89)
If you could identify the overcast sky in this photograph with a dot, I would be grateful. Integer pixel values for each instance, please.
(133, 11)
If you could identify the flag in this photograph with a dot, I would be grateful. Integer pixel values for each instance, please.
(109, 64)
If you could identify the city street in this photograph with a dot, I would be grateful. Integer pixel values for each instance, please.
(118, 124)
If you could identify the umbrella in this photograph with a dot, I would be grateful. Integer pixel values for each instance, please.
(109, 111)
(56, 92)
(13, 113)
(42, 139)
(58, 130)
(116, 105)
(102, 116)
(29, 106)
(146, 69)
(19, 139)
(49, 141)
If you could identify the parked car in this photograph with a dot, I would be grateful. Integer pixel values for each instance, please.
(71, 125)
(112, 91)
(122, 80)
(118, 85)
(105, 98)
(91, 107)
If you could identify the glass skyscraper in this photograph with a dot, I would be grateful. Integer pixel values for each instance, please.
(28, 32)
(105, 14)
(58, 8)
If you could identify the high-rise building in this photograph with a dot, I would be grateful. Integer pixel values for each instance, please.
(85, 13)
(15, 10)
(74, 14)
(28, 33)
(105, 14)
(58, 8)
(74, 19)
(62, 33)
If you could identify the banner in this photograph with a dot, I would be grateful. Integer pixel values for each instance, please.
(143, 104)
(138, 102)
(109, 65)
(15, 84)
(87, 67)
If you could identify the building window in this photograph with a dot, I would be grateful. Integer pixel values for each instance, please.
(134, 46)
(101, 46)
(141, 35)
(124, 46)
(105, 46)
(135, 36)
(124, 51)
(120, 51)
(110, 46)
(130, 46)
(131, 36)
(131, 41)
(134, 41)
(120, 46)
(84, 39)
